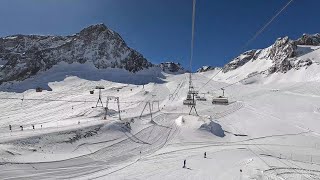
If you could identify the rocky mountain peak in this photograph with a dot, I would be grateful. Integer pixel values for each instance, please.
(172, 67)
(307, 39)
(283, 55)
(283, 48)
(93, 28)
(26, 55)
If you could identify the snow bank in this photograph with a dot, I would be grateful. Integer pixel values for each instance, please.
(86, 71)
(196, 123)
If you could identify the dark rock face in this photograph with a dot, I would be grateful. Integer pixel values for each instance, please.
(241, 60)
(307, 39)
(26, 55)
(171, 67)
(279, 53)
(207, 68)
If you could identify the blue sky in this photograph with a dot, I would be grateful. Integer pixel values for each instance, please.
(161, 29)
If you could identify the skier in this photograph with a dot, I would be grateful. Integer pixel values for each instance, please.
(205, 154)
(10, 127)
(32, 126)
(184, 163)
(21, 128)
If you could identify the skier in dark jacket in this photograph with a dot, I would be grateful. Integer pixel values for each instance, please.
(205, 154)
(184, 163)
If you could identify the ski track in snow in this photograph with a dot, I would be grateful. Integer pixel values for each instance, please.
(278, 122)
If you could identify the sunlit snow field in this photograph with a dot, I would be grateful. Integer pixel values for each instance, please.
(270, 129)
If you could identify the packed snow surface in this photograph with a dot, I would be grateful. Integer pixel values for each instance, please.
(269, 130)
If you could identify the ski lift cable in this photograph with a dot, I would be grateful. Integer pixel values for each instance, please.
(266, 151)
(211, 78)
(285, 162)
(254, 153)
(223, 87)
(192, 34)
(192, 41)
(62, 100)
(256, 35)
(265, 26)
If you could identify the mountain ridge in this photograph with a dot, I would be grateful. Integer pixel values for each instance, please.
(23, 56)
(284, 55)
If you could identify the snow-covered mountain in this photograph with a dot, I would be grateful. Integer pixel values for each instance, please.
(22, 56)
(284, 56)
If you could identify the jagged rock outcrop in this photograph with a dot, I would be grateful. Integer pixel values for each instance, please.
(279, 53)
(241, 60)
(207, 68)
(25, 55)
(171, 67)
(307, 39)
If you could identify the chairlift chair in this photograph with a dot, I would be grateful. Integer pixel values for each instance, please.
(220, 99)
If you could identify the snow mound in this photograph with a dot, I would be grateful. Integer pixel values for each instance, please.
(196, 123)
(191, 122)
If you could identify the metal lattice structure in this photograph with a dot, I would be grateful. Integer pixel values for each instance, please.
(99, 98)
(109, 98)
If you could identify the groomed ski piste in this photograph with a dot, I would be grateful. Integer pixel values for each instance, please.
(269, 130)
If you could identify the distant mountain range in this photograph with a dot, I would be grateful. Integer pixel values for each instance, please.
(23, 56)
(282, 56)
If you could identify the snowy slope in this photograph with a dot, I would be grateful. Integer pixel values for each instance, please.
(269, 131)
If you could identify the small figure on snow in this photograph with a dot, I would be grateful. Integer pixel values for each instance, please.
(184, 164)
(21, 128)
(205, 154)
(10, 127)
(32, 126)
